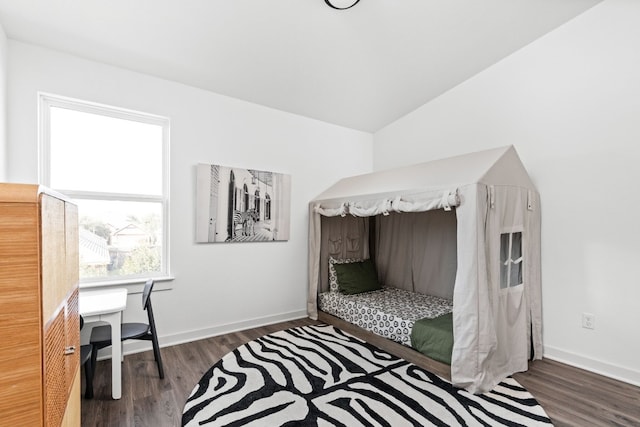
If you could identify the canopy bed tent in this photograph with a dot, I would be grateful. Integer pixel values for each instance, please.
(464, 229)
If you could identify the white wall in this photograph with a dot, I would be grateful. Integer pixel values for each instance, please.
(218, 287)
(570, 103)
(3, 105)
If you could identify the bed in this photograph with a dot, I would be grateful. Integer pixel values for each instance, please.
(466, 228)
(423, 322)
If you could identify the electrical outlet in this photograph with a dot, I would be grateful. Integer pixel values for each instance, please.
(588, 321)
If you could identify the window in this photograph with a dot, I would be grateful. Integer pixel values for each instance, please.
(510, 259)
(113, 163)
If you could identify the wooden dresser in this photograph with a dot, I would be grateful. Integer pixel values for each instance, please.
(39, 321)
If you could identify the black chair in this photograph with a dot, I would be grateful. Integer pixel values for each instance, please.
(101, 335)
(85, 360)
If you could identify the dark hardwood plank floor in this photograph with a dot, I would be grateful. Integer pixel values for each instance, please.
(571, 397)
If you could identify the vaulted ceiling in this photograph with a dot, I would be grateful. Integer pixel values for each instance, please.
(362, 68)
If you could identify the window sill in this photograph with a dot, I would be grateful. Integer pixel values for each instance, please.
(134, 285)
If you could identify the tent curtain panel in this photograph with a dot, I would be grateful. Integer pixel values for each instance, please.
(417, 251)
(342, 238)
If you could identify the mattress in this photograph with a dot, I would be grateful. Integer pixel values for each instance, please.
(389, 312)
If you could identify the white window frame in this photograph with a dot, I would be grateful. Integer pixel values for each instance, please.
(510, 262)
(45, 102)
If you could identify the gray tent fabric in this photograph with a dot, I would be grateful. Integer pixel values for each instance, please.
(342, 238)
(417, 251)
(487, 225)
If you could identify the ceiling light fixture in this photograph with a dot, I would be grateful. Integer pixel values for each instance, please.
(341, 5)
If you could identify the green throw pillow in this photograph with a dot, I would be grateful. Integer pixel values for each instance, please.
(357, 277)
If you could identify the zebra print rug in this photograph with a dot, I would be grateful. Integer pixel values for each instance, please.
(320, 376)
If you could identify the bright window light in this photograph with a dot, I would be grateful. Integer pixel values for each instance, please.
(113, 164)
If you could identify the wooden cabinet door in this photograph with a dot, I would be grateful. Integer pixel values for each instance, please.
(72, 252)
(72, 317)
(54, 266)
(59, 229)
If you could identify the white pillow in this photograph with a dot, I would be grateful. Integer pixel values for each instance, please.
(333, 277)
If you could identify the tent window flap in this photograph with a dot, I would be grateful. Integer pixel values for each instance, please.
(510, 260)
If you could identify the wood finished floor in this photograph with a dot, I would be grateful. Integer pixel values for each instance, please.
(570, 396)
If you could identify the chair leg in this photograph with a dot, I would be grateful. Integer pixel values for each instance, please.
(94, 360)
(156, 354)
(88, 375)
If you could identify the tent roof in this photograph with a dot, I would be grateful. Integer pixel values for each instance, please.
(498, 166)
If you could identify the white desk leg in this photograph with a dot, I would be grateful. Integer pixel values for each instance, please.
(116, 354)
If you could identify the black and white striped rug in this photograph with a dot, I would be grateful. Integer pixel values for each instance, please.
(321, 376)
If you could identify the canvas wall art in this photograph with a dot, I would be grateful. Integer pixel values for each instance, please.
(241, 205)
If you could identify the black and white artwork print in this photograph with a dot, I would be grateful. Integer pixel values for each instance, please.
(241, 205)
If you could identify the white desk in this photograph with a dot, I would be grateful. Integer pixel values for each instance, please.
(107, 305)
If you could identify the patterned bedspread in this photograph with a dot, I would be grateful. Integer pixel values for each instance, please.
(389, 312)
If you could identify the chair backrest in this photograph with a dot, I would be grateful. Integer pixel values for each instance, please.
(146, 305)
(146, 294)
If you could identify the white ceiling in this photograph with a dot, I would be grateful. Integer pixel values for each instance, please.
(361, 68)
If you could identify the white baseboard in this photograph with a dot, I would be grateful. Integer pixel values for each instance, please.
(599, 367)
(131, 347)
